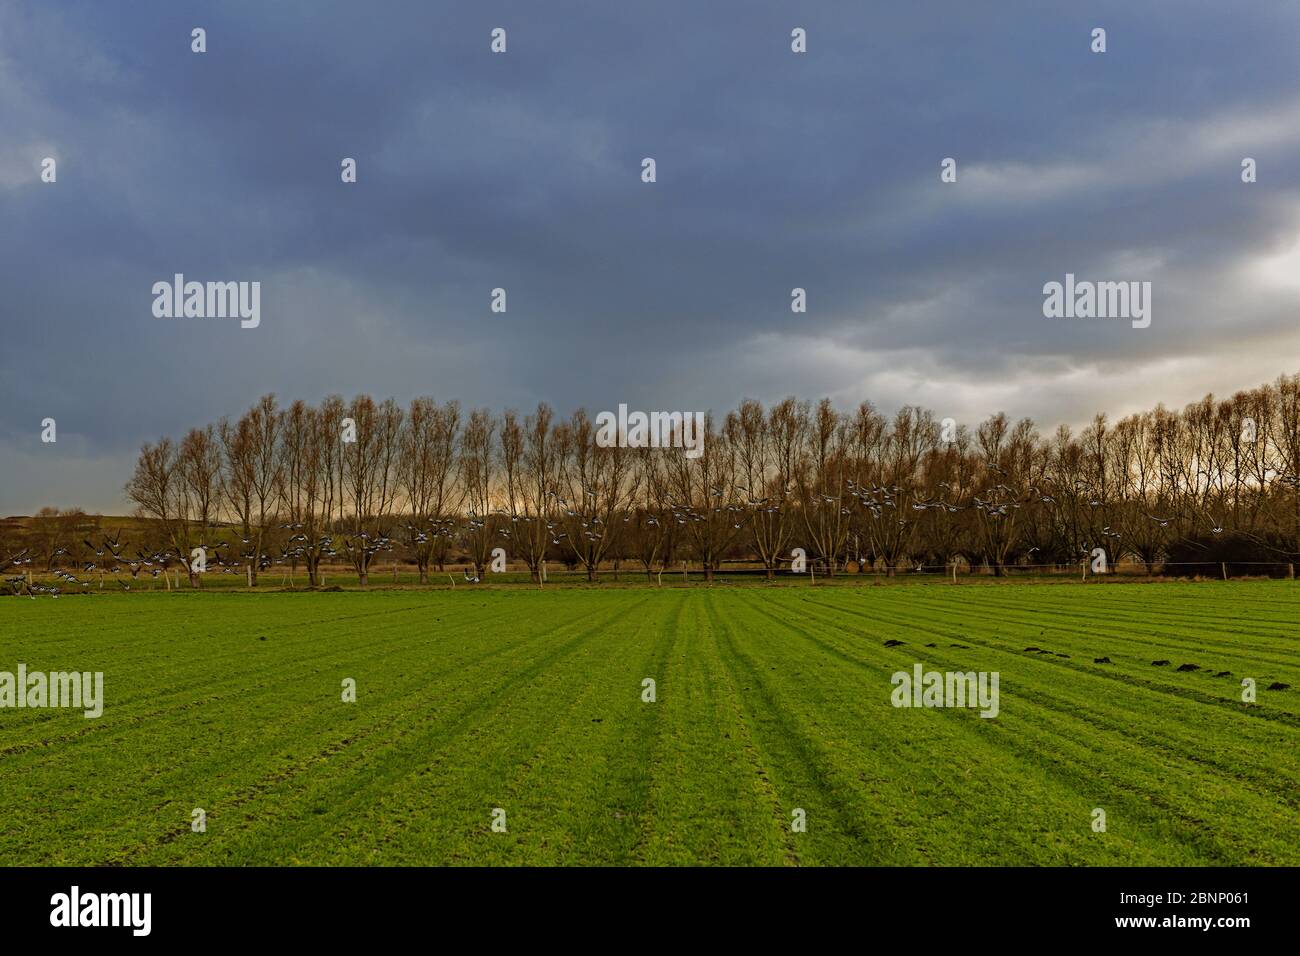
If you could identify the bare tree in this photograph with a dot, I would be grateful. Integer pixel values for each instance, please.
(703, 497)
(427, 469)
(160, 491)
(823, 484)
(370, 480)
(200, 470)
(600, 488)
(308, 452)
(478, 477)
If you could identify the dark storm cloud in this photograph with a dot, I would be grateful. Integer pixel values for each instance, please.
(522, 171)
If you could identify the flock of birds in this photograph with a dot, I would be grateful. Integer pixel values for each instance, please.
(109, 557)
(996, 502)
(1000, 501)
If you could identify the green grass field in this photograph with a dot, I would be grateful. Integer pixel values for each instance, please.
(768, 699)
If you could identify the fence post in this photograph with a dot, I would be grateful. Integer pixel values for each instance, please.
(1223, 566)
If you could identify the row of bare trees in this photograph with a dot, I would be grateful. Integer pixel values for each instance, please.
(348, 480)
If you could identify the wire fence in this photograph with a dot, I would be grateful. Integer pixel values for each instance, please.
(459, 574)
(1081, 568)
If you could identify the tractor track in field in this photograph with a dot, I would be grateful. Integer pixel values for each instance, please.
(767, 697)
(412, 740)
(278, 677)
(1174, 690)
(386, 721)
(1263, 783)
(760, 761)
(818, 769)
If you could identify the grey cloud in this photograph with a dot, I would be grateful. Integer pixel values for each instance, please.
(522, 171)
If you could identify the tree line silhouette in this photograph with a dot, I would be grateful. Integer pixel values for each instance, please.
(432, 484)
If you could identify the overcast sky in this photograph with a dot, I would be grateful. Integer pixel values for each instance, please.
(523, 171)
